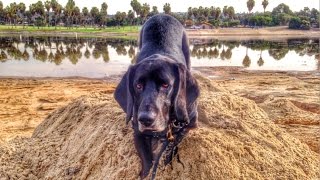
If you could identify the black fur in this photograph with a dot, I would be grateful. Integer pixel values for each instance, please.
(158, 93)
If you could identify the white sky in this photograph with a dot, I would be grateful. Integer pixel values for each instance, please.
(182, 5)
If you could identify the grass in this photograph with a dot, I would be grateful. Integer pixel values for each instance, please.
(125, 29)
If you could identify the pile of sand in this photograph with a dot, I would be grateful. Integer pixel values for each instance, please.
(89, 139)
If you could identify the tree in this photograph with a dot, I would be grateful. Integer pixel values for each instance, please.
(58, 12)
(54, 5)
(215, 12)
(94, 12)
(206, 13)
(76, 15)
(120, 17)
(154, 11)
(231, 12)
(281, 8)
(37, 10)
(69, 11)
(12, 12)
(225, 11)
(47, 5)
(145, 10)
(136, 6)
(103, 13)
(167, 8)
(21, 9)
(131, 16)
(265, 4)
(250, 5)
(2, 13)
(195, 13)
(189, 12)
(85, 13)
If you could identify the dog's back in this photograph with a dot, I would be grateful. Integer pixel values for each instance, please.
(163, 34)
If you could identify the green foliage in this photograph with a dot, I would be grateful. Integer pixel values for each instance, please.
(234, 23)
(260, 20)
(299, 23)
(295, 23)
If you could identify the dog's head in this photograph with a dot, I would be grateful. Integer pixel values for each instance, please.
(155, 92)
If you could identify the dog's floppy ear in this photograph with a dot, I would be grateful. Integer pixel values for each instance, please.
(185, 93)
(123, 93)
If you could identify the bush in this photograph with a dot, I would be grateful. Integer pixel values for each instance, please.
(297, 23)
(305, 25)
(234, 23)
(260, 20)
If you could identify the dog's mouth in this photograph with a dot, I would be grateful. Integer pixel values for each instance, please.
(150, 129)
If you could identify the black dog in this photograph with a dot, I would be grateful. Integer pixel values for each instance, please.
(158, 93)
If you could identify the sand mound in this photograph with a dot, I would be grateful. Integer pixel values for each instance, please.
(89, 139)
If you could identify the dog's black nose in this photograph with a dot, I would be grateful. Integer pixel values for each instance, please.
(146, 119)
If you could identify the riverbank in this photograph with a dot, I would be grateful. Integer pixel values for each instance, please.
(133, 31)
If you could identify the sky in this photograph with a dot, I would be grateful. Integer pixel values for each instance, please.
(182, 5)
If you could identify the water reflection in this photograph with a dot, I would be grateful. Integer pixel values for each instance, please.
(113, 53)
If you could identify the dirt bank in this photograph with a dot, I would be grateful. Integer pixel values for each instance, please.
(88, 139)
(221, 33)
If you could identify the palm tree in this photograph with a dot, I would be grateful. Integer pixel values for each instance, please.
(37, 9)
(228, 53)
(265, 4)
(195, 13)
(260, 61)
(69, 11)
(131, 16)
(103, 13)
(12, 12)
(58, 11)
(225, 11)
(167, 8)
(246, 60)
(47, 5)
(145, 10)
(94, 12)
(54, 5)
(21, 8)
(190, 12)
(250, 5)
(154, 11)
(231, 12)
(206, 13)
(85, 13)
(118, 18)
(136, 6)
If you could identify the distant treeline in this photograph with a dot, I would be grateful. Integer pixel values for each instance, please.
(51, 13)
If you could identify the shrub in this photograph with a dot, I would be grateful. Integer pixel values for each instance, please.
(297, 23)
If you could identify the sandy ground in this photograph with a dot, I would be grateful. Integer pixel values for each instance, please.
(88, 139)
(24, 103)
(291, 100)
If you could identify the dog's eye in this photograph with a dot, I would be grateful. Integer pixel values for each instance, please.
(139, 86)
(165, 85)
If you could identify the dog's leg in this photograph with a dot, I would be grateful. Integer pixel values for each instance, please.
(143, 146)
(172, 148)
(158, 147)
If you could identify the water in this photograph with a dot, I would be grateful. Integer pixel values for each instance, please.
(103, 57)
